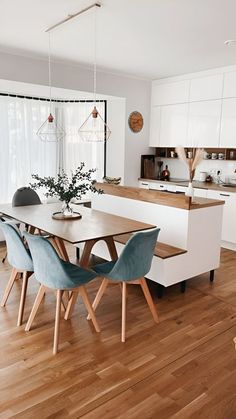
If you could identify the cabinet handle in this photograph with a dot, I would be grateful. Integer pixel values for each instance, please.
(162, 186)
(224, 194)
(145, 184)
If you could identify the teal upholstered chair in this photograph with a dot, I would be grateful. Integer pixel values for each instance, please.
(56, 274)
(130, 268)
(20, 260)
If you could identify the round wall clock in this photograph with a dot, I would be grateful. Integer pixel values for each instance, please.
(136, 121)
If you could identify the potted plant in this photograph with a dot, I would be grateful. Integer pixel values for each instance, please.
(66, 188)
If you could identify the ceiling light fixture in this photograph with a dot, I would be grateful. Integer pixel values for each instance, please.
(230, 42)
(94, 128)
(50, 130)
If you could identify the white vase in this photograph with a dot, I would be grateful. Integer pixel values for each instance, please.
(190, 190)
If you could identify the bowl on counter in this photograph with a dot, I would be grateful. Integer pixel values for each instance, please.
(112, 180)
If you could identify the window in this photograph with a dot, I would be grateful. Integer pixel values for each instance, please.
(22, 153)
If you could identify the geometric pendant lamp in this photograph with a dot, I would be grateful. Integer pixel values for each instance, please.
(50, 130)
(94, 128)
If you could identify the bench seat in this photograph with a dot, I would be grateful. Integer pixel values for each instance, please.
(162, 250)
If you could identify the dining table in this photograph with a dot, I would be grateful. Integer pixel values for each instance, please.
(93, 226)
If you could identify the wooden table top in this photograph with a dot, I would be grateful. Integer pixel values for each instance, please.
(93, 224)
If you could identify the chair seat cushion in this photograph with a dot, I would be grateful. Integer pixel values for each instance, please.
(78, 276)
(103, 269)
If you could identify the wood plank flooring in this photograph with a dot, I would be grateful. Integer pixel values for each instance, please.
(185, 367)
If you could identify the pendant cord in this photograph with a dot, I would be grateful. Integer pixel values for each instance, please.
(49, 71)
(95, 58)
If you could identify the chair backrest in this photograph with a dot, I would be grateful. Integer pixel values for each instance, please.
(17, 254)
(135, 260)
(25, 196)
(48, 267)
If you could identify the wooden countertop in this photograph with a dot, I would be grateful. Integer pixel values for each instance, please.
(158, 197)
(196, 184)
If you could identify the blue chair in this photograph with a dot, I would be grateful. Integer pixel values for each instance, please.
(20, 259)
(130, 268)
(58, 275)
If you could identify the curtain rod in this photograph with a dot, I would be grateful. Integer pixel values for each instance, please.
(44, 99)
(69, 17)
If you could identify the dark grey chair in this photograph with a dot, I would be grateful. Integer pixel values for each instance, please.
(22, 197)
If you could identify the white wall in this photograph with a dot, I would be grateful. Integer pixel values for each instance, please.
(136, 92)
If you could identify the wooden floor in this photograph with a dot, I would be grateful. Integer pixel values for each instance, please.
(185, 367)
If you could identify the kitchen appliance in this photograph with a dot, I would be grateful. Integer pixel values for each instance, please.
(165, 175)
(202, 176)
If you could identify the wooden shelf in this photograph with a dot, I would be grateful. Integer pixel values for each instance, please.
(165, 153)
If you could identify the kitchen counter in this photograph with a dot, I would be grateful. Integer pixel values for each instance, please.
(196, 184)
(158, 197)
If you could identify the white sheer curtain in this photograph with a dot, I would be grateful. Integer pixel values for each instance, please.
(75, 151)
(22, 153)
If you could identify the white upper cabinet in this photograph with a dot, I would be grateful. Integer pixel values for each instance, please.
(229, 84)
(206, 88)
(170, 93)
(155, 124)
(204, 123)
(173, 125)
(228, 123)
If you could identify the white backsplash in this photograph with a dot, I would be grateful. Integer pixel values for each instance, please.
(179, 170)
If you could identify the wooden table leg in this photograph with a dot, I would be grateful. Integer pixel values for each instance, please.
(61, 246)
(84, 260)
(111, 247)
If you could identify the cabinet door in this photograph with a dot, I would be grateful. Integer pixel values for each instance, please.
(170, 93)
(155, 122)
(206, 88)
(229, 84)
(204, 123)
(228, 225)
(228, 123)
(174, 124)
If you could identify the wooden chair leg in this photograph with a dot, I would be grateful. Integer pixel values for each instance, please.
(9, 287)
(88, 305)
(123, 324)
(57, 322)
(35, 307)
(149, 299)
(26, 276)
(70, 306)
(99, 295)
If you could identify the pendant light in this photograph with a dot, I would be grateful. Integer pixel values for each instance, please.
(94, 128)
(50, 130)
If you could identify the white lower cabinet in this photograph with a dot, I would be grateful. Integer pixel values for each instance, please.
(229, 225)
(143, 184)
(201, 193)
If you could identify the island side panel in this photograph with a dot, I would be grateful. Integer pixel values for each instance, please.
(173, 222)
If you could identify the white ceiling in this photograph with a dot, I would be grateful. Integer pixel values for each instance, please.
(145, 38)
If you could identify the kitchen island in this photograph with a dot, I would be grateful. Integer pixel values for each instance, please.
(194, 227)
